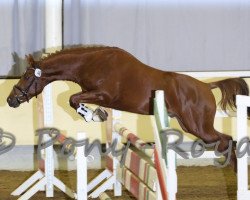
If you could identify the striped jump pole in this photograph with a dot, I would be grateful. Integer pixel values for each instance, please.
(137, 174)
(134, 139)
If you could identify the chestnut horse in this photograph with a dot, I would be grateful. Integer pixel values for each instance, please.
(111, 77)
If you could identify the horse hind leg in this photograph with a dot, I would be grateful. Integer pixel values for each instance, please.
(223, 145)
(226, 146)
(206, 132)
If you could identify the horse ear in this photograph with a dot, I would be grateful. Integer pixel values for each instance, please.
(30, 60)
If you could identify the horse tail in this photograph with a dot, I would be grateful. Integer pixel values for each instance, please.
(229, 89)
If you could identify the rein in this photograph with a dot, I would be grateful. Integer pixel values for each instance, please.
(25, 92)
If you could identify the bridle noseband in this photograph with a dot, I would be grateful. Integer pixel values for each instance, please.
(25, 92)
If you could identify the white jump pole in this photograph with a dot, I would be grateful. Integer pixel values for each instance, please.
(82, 173)
(49, 158)
(53, 25)
(53, 41)
(53, 38)
(242, 102)
(170, 173)
(117, 185)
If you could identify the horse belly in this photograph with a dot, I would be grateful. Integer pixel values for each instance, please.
(137, 99)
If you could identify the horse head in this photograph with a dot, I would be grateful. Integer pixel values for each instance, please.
(30, 84)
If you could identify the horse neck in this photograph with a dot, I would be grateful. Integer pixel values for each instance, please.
(58, 69)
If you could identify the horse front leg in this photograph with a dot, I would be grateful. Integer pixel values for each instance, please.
(94, 97)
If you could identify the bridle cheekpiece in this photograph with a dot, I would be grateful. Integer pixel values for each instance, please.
(24, 92)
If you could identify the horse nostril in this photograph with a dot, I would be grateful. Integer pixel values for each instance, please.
(9, 100)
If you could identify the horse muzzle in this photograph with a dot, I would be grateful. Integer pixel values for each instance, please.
(13, 102)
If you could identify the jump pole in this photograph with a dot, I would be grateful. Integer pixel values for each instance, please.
(242, 102)
(166, 165)
(82, 171)
(53, 41)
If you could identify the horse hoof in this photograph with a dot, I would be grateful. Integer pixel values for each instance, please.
(100, 115)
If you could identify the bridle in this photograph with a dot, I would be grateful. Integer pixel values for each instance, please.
(24, 92)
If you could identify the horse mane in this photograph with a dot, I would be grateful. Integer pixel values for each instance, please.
(76, 49)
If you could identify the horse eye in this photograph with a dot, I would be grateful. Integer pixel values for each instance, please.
(26, 76)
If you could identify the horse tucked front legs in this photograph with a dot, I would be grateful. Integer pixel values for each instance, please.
(77, 102)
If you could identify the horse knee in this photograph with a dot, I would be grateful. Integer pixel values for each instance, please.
(73, 102)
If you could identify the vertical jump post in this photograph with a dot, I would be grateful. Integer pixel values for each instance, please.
(53, 41)
(242, 102)
(166, 160)
(82, 173)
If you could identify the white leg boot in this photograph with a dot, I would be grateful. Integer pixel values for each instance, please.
(85, 112)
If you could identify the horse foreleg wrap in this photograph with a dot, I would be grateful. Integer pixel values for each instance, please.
(99, 115)
(85, 112)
